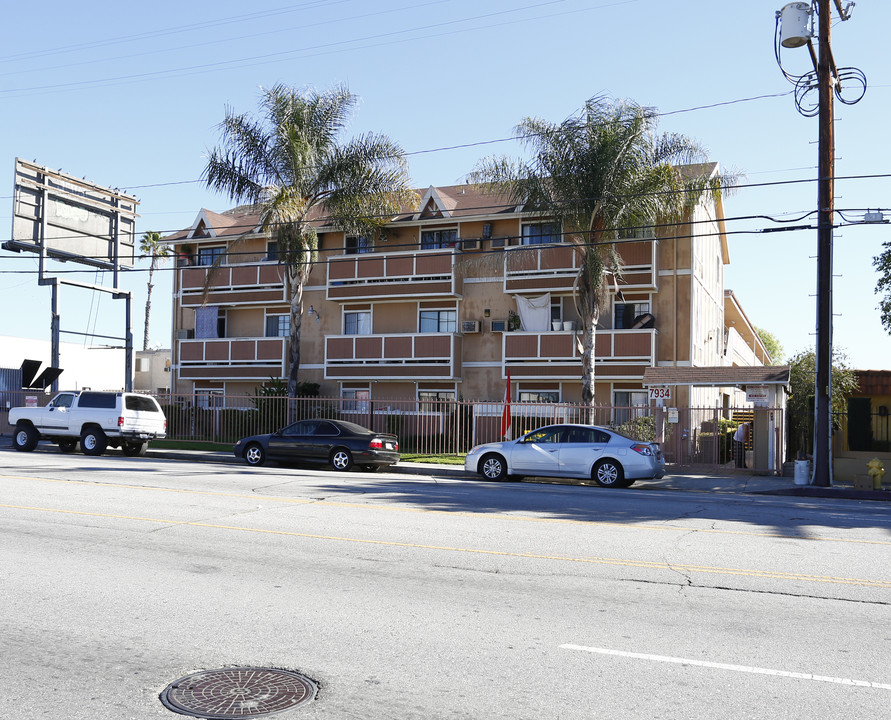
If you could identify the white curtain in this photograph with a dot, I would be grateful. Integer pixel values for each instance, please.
(535, 313)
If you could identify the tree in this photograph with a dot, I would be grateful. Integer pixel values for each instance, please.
(291, 164)
(772, 345)
(800, 407)
(151, 247)
(882, 263)
(602, 173)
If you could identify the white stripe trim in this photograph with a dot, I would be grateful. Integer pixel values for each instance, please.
(725, 666)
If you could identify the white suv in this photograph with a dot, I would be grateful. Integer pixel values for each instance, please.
(95, 419)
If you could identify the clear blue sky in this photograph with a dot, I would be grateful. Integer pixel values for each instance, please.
(130, 97)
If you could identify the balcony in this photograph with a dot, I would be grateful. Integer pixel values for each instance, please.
(253, 284)
(372, 276)
(393, 357)
(553, 268)
(233, 358)
(556, 355)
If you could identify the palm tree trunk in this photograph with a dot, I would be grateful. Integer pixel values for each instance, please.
(296, 288)
(148, 305)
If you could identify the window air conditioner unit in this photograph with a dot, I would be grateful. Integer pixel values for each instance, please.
(498, 242)
(184, 334)
(473, 244)
(470, 326)
(499, 326)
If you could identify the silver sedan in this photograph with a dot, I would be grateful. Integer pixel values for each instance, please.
(574, 451)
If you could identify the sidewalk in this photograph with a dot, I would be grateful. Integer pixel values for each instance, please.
(678, 479)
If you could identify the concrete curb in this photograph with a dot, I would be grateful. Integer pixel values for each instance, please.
(678, 480)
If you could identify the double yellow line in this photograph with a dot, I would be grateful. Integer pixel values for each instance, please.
(649, 565)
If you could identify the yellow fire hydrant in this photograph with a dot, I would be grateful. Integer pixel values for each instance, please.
(876, 471)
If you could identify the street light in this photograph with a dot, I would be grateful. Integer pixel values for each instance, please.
(795, 28)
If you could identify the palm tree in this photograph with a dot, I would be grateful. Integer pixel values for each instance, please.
(151, 247)
(601, 173)
(291, 164)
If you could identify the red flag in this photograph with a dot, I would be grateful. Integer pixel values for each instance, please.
(505, 415)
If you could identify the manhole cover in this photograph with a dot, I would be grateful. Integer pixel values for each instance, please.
(237, 693)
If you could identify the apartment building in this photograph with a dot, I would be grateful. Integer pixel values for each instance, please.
(447, 300)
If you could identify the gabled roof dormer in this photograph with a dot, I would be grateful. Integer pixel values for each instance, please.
(435, 205)
(201, 229)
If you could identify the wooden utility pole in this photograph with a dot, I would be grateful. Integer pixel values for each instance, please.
(826, 79)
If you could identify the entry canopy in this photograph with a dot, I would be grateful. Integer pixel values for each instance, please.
(719, 376)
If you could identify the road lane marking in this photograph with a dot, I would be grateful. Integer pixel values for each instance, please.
(726, 666)
(646, 564)
(457, 513)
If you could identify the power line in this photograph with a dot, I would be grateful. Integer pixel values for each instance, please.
(315, 50)
(414, 245)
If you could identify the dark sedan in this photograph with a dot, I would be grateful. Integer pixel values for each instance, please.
(322, 442)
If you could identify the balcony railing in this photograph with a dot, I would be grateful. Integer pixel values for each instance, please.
(259, 284)
(543, 268)
(557, 354)
(370, 276)
(428, 355)
(233, 358)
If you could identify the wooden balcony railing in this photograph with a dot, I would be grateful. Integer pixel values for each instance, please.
(370, 276)
(558, 355)
(233, 358)
(259, 283)
(427, 355)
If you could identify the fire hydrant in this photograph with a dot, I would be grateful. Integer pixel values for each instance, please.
(876, 471)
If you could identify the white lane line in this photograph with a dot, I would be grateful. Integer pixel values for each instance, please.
(725, 666)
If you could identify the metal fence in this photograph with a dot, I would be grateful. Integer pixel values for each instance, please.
(694, 436)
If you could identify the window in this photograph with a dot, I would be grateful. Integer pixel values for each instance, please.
(210, 399)
(587, 435)
(546, 436)
(625, 314)
(357, 323)
(141, 403)
(433, 400)
(630, 404)
(64, 401)
(438, 239)
(271, 251)
(278, 325)
(105, 401)
(209, 255)
(439, 321)
(143, 364)
(546, 396)
(355, 401)
(356, 245)
(541, 233)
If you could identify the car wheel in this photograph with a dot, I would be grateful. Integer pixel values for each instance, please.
(93, 441)
(341, 459)
(134, 449)
(608, 473)
(255, 454)
(68, 446)
(25, 438)
(493, 467)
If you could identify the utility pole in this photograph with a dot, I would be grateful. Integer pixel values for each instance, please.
(825, 208)
(827, 80)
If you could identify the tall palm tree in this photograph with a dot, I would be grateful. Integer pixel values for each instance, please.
(600, 172)
(292, 165)
(151, 247)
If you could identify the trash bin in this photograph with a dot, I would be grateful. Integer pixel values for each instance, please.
(802, 472)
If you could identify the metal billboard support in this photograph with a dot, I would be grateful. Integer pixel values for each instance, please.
(61, 217)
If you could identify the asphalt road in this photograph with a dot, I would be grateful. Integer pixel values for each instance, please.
(424, 597)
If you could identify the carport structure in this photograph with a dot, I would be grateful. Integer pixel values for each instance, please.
(766, 388)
